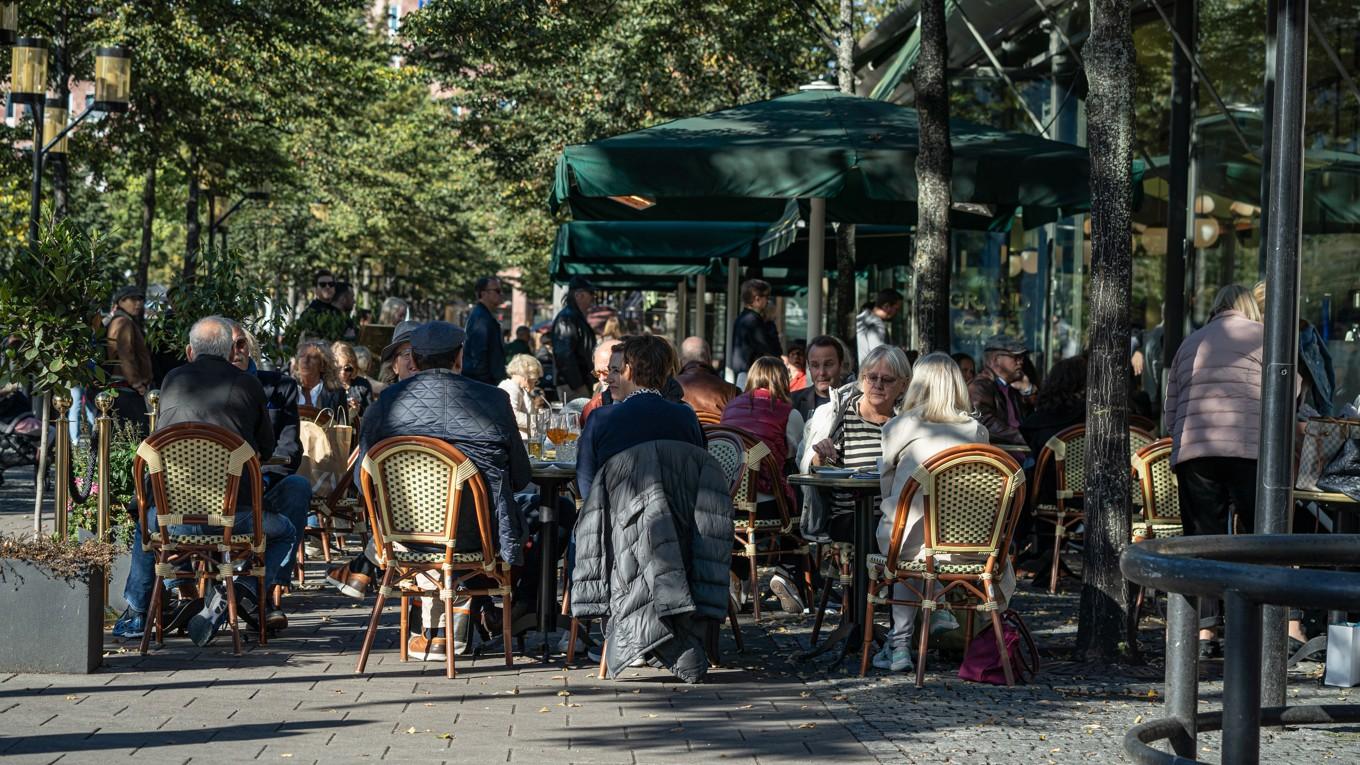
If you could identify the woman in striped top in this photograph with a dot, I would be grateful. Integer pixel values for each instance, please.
(847, 430)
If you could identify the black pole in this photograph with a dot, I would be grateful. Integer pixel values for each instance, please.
(1241, 683)
(35, 202)
(1275, 471)
(1182, 670)
(1267, 127)
(1178, 203)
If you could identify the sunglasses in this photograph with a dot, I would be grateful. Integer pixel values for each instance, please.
(601, 373)
(325, 284)
(347, 369)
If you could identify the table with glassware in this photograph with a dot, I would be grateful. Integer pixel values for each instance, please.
(864, 487)
(552, 464)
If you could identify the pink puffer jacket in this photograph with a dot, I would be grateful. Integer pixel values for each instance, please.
(1213, 390)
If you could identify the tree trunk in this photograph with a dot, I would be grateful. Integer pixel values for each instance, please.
(148, 221)
(42, 463)
(191, 219)
(934, 167)
(845, 233)
(1105, 628)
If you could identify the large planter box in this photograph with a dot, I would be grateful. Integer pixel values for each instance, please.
(50, 624)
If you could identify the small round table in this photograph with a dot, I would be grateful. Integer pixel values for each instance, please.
(865, 491)
(551, 479)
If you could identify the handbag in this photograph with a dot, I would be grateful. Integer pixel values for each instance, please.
(1323, 438)
(1342, 474)
(325, 452)
(982, 663)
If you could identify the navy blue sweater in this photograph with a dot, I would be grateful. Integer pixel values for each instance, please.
(615, 428)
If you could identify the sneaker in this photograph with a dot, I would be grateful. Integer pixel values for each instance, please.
(312, 549)
(352, 579)
(203, 625)
(132, 624)
(583, 640)
(424, 648)
(740, 591)
(893, 659)
(942, 622)
(787, 592)
(181, 603)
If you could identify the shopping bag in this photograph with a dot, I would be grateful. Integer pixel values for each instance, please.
(1343, 655)
(325, 453)
(1322, 439)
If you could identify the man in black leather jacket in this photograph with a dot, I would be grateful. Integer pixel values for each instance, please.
(573, 343)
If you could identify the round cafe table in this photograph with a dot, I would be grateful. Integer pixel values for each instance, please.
(865, 491)
(551, 478)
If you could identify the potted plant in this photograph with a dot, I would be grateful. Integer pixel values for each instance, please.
(52, 598)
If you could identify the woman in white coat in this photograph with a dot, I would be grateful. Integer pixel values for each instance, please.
(937, 416)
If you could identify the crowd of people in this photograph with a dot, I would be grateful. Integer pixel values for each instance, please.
(870, 406)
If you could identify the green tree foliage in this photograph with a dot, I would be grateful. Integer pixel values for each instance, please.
(530, 76)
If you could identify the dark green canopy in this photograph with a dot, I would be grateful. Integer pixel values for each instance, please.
(857, 153)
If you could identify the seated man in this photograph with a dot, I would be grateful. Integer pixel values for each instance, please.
(438, 401)
(603, 352)
(638, 369)
(212, 390)
(826, 369)
(285, 492)
(704, 389)
(1001, 393)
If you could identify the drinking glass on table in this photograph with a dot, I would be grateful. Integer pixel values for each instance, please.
(571, 430)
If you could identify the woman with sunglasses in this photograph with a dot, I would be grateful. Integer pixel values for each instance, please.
(358, 390)
(847, 432)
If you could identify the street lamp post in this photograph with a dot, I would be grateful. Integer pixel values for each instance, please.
(28, 85)
(215, 224)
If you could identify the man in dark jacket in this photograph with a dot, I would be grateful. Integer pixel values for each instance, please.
(638, 372)
(826, 370)
(752, 336)
(127, 360)
(573, 342)
(321, 319)
(1001, 393)
(483, 353)
(211, 389)
(704, 389)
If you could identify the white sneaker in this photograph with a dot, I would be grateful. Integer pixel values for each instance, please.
(787, 592)
(582, 640)
(893, 659)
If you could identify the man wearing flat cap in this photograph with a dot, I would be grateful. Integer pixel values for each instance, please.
(127, 360)
(1001, 393)
(439, 401)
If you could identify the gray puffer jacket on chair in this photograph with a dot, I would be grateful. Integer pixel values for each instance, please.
(653, 550)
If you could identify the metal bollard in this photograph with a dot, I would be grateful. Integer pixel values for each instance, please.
(153, 409)
(62, 474)
(104, 426)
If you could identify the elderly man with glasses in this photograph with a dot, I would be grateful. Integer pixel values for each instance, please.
(484, 353)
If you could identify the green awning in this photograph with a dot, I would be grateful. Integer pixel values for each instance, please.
(855, 152)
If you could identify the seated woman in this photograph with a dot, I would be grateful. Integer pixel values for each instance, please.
(314, 370)
(358, 390)
(525, 371)
(1062, 404)
(937, 416)
(764, 411)
(847, 432)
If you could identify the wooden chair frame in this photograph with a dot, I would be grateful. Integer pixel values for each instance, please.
(757, 460)
(1059, 514)
(457, 570)
(979, 589)
(216, 559)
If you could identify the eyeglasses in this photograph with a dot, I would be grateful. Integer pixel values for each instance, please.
(325, 284)
(882, 380)
(347, 369)
(601, 373)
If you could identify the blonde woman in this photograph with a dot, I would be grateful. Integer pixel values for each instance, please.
(525, 371)
(358, 390)
(937, 415)
(314, 370)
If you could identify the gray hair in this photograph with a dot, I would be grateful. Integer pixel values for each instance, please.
(394, 311)
(890, 355)
(695, 349)
(525, 365)
(212, 336)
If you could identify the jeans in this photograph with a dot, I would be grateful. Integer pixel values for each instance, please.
(280, 537)
(1206, 487)
(290, 497)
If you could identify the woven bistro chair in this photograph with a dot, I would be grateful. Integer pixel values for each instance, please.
(1138, 438)
(744, 459)
(1158, 493)
(1065, 454)
(973, 496)
(413, 487)
(195, 473)
(707, 418)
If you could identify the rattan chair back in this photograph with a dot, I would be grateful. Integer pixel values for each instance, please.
(972, 495)
(195, 472)
(1161, 499)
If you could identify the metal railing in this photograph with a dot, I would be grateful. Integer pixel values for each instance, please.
(1246, 572)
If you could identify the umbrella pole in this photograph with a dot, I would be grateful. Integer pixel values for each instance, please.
(816, 261)
(700, 287)
(733, 285)
(681, 311)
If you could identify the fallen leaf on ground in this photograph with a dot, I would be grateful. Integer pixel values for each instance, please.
(543, 709)
(746, 706)
(650, 715)
(805, 694)
(808, 725)
(72, 698)
(513, 691)
(286, 754)
(411, 730)
(445, 736)
(839, 697)
(564, 693)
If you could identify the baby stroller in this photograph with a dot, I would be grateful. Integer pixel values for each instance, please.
(20, 432)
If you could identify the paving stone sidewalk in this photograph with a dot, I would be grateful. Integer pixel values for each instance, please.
(298, 700)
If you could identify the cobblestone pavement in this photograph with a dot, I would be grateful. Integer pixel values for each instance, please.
(298, 700)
